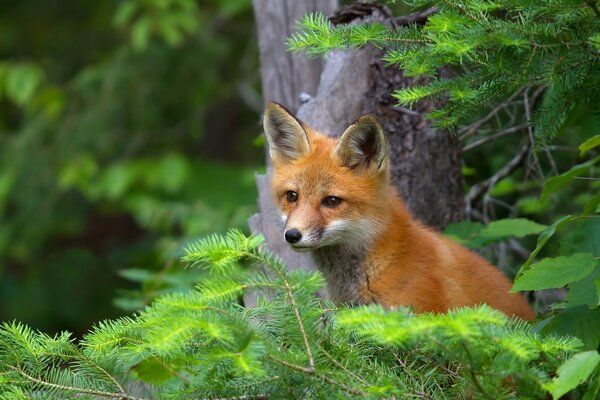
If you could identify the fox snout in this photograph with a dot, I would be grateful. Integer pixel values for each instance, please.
(303, 239)
(293, 236)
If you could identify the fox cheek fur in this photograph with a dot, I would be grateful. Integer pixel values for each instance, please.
(337, 202)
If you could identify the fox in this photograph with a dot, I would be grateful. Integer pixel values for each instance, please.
(337, 202)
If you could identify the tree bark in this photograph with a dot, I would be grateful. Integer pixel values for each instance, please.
(426, 165)
(285, 77)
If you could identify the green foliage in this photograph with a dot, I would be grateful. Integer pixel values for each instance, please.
(203, 344)
(573, 372)
(498, 48)
(556, 182)
(556, 272)
(589, 144)
(475, 235)
(122, 135)
(578, 268)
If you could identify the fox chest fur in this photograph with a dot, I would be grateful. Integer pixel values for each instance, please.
(346, 274)
(337, 202)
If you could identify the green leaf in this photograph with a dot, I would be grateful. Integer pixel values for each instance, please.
(125, 13)
(22, 81)
(589, 144)
(591, 206)
(584, 291)
(544, 237)
(476, 235)
(465, 233)
(583, 237)
(581, 322)
(507, 228)
(557, 182)
(573, 372)
(556, 272)
(140, 34)
(138, 275)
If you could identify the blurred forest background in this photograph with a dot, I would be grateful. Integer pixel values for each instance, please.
(129, 128)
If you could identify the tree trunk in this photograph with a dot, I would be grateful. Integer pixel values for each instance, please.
(426, 165)
(285, 77)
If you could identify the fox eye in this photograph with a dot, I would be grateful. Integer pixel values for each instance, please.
(291, 196)
(331, 201)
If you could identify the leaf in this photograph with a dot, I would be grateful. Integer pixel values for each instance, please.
(581, 322)
(507, 228)
(476, 235)
(589, 144)
(583, 237)
(557, 182)
(556, 272)
(573, 372)
(22, 81)
(544, 237)
(584, 291)
(138, 275)
(125, 13)
(140, 34)
(591, 206)
(465, 233)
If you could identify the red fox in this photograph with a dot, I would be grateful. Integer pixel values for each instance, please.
(337, 202)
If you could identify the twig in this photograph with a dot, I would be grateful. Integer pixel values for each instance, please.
(470, 129)
(257, 396)
(122, 396)
(493, 137)
(416, 17)
(530, 132)
(472, 373)
(484, 187)
(406, 110)
(311, 361)
(342, 367)
(324, 378)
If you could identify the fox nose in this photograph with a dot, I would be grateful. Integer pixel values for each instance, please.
(293, 236)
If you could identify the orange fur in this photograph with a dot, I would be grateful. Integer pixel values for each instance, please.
(369, 247)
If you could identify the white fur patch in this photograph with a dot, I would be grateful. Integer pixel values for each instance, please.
(351, 232)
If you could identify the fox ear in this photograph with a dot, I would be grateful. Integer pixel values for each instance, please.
(363, 144)
(286, 136)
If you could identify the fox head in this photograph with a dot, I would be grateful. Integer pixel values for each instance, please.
(330, 191)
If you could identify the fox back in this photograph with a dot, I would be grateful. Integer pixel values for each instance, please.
(337, 202)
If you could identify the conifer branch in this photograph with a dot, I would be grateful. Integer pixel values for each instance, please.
(311, 361)
(313, 372)
(120, 396)
(594, 6)
(340, 366)
(472, 128)
(472, 372)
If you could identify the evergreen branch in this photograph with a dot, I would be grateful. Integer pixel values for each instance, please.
(250, 397)
(311, 361)
(594, 6)
(472, 372)
(313, 372)
(472, 128)
(121, 396)
(340, 366)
